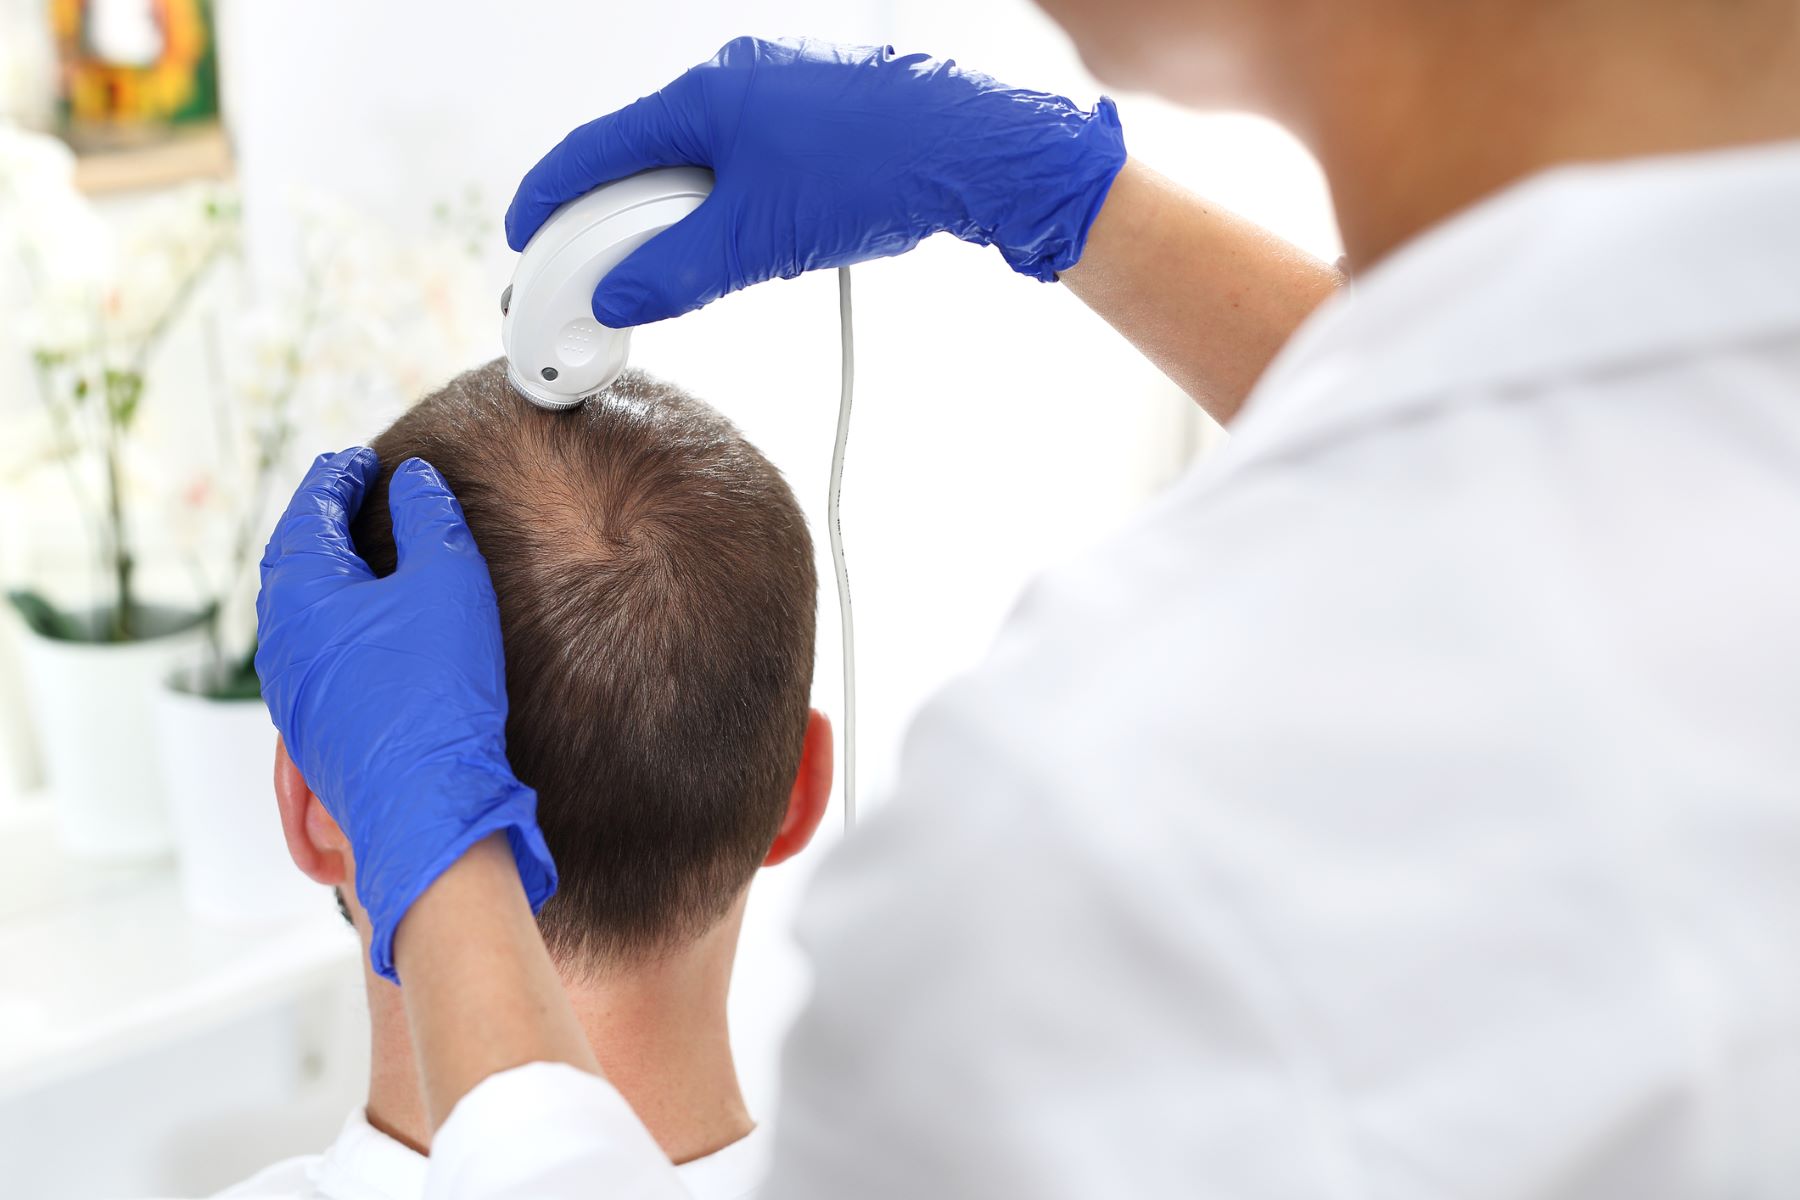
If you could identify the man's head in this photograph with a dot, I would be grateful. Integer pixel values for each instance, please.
(656, 588)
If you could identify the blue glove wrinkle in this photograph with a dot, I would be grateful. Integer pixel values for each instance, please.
(829, 155)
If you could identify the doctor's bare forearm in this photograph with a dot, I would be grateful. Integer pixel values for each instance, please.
(481, 993)
(1206, 295)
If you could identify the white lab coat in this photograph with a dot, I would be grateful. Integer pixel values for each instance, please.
(1408, 806)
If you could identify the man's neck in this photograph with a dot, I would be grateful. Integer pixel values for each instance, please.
(1415, 125)
(658, 1029)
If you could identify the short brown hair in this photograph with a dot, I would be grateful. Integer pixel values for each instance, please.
(657, 591)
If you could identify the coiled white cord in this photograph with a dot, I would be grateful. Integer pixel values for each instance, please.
(846, 626)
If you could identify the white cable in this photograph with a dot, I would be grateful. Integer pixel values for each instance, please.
(845, 390)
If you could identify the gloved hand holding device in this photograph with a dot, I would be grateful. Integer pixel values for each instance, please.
(390, 694)
(830, 155)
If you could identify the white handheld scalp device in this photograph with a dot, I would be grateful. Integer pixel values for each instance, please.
(557, 355)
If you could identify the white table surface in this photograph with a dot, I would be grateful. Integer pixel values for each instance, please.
(98, 962)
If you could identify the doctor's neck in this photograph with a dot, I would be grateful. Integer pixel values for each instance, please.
(1424, 109)
(658, 1029)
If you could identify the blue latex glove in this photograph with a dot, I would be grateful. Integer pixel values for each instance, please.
(390, 694)
(829, 155)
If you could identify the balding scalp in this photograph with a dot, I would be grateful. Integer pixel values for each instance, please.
(657, 594)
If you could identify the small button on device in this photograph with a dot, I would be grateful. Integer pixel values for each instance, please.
(549, 374)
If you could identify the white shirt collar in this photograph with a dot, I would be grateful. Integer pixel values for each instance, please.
(735, 1172)
(366, 1164)
(1579, 270)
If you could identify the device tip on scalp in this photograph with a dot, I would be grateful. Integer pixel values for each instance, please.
(557, 354)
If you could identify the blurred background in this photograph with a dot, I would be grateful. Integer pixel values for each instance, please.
(234, 233)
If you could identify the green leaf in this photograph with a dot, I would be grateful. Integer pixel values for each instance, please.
(45, 619)
(93, 627)
(232, 681)
(240, 683)
(124, 389)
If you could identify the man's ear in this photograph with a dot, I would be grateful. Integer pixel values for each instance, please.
(811, 792)
(314, 841)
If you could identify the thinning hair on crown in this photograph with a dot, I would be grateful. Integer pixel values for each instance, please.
(657, 590)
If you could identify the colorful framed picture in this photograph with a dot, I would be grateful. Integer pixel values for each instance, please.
(134, 71)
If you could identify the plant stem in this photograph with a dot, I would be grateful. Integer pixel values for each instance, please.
(184, 292)
(273, 441)
(118, 422)
(68, 442)
(120, 548)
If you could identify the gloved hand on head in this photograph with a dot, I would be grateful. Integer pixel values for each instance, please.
(830, 155)
(390, 694)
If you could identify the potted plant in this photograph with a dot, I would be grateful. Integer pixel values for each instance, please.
(136, 703)
(216, 740)
(360, 330)
(99, 320)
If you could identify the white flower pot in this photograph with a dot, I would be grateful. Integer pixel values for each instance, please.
(90, 703)
(218, 764)
(18, 753)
